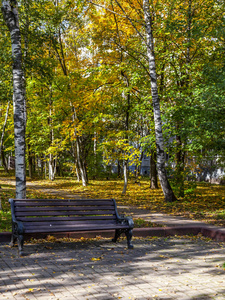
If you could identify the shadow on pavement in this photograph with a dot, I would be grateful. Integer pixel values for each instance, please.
(158, 268)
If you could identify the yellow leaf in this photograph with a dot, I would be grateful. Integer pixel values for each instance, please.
(94, 259)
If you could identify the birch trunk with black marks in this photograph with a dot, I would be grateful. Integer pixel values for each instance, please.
(11, 17)
(80, 163)
(125, 176)
(2, 137)
(4, 162)
(52, 160)
(153, 170)
(125, 162)
(167, 190)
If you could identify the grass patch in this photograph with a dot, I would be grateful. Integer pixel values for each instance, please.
(5, 221)
(221, 215)
(141, 223)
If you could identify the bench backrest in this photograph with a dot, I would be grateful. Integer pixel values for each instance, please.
(63, 211)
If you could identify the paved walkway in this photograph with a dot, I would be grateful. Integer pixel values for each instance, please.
(158, 268)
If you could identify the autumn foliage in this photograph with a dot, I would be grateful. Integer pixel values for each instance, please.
(88, 94)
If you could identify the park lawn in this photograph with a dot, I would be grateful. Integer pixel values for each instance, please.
(204, 199)
(204, 202)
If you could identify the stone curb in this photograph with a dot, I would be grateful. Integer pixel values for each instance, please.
(217, 234)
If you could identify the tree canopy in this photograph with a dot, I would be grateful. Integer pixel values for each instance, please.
(89, 91)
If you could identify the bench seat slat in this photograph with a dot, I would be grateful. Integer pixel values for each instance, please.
(73, 228)
(69, 223)
(60, 208)
(65, 200)
(61, 203)
(40, 219)
(65, 213)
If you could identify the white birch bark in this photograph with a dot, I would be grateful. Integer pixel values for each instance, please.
(4, 126)
(125, 176)
(51, 174)
(167, 190)
(80, 164)
(95, 155)
(77, 172)
(51, 161)
(10, 13)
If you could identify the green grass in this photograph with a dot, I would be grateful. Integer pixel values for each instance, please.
(141, 223)
(5, 221)
(221, 215)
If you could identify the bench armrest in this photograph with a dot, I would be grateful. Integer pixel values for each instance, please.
(11, 201)
(122, 219)
(17, 225)
(126, 220)
(130, 221)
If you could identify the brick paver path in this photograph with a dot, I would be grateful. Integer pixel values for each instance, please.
(172, 268)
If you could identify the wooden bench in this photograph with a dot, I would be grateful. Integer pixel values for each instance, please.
(60, 215)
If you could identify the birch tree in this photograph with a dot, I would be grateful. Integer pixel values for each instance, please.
(149, 43)
(167, 190)
(11, 17)
(2, 136)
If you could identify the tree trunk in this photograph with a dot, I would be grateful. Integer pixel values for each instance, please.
(179, 172)
(95, 171)
(51, 167)
(185, 82)
(0, 203)
(51, 162)
(4, 125)
(153, 171)
(77, 171)
(10, 13)
(125, 176)
(74, 155)
(127, 119)
(138, 168)
(42, 166)
(2, 137)
(80, 163)
(5, 165)
(45, 168)
(118, 169)
(167, 190)
(30, 162)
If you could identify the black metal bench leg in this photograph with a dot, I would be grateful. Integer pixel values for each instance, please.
(13, 240)
(129, 234)
(13, 237)
(117, 235)
(20, 244)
